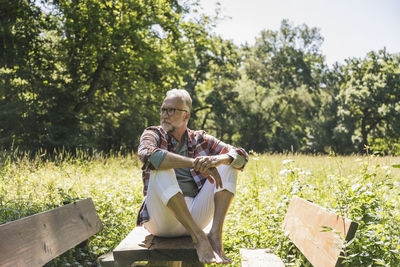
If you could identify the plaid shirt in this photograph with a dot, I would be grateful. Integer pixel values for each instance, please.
(199, 144)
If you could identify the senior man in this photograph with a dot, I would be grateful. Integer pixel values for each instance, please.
(189, 179)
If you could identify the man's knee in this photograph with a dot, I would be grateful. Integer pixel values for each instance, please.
(227, 170)
(164, 184)
(229, 178)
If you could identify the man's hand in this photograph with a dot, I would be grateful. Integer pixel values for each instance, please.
(206, 166)
(203, 163)
(212, 175)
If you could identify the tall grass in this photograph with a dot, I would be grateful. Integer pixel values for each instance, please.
(365, 189)
(30, 184)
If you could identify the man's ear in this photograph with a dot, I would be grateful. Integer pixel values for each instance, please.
(187, 116)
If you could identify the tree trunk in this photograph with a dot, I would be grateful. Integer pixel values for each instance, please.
(364, 135)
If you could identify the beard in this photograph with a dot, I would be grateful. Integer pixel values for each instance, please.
(168, 127)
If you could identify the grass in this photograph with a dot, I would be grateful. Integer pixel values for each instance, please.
(365, 189)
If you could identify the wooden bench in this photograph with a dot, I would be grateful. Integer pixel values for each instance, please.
(37, 239)
(306, 223)
(140, 246)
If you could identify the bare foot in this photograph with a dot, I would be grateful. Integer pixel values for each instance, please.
(205, 251)
(216, 243)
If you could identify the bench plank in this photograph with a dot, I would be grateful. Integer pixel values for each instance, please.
(259, 258)
(37, 239)
(106, 260)
(304, 223)
(140, 245)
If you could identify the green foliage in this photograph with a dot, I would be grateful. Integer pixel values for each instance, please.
(31, 184)
(365, 190)
(280, 89)
(92, 75)
(220, 100)
(366, 200)
(365, 194)
(385, 146)
(117, 57)
(368, 100)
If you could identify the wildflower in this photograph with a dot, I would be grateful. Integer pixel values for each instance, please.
(287, 161)
(307, 173)
(285, 172)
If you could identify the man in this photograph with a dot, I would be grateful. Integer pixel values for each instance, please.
(189, 178)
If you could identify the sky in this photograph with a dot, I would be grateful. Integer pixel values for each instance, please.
(351, 28)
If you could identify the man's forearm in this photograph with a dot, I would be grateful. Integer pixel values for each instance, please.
(225, 159)
(173, 160)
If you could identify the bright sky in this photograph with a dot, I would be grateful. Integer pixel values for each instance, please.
(351, 28)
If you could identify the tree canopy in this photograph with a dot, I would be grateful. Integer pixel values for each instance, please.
(92, 75)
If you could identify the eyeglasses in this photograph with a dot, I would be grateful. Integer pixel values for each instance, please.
(170, 111)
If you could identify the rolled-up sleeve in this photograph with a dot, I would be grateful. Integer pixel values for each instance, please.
(148, 145)
(157, 157)
(238, 161)
(239, 155)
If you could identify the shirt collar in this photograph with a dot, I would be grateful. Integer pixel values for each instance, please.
(189, 138)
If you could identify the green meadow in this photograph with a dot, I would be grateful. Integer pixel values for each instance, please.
(365, 189)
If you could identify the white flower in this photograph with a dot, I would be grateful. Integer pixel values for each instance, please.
(355, 187)
(285, 172)
(287, 161)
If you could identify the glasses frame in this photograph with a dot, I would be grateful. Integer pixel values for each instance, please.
(171, 111)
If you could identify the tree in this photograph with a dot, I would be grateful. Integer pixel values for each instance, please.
(117, 57)
(24, 71)
(92, 73)
(369, 106)
(324, 136)
(280, 88)
(219, 94)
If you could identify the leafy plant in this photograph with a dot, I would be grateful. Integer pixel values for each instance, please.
(364, 189)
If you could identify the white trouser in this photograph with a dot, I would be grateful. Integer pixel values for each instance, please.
(163, 185)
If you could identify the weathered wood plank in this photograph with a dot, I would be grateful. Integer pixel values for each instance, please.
(173, 264)
(140, 245)
(173, 249)
(37, 239)
(106, 260)
(259, 258)
(134, 247)
(304, 222)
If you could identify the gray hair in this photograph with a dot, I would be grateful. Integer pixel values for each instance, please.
(182, 94)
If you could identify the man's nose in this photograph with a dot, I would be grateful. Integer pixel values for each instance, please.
(164, 114)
